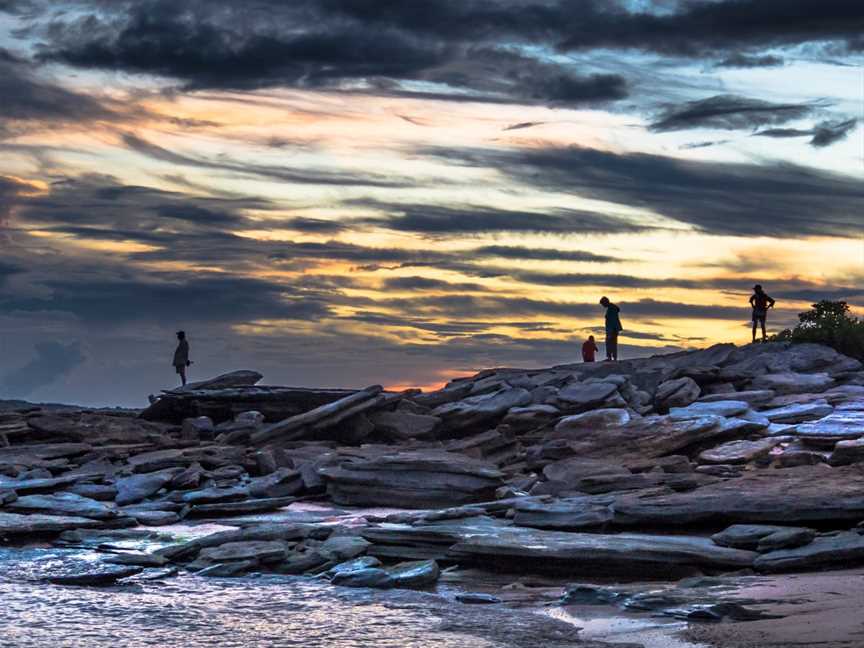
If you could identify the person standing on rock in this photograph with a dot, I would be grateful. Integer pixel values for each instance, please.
(181, 356)
(613, 328)
(589, 348)
(761, 302)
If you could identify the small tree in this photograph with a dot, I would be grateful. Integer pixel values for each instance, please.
(830, 323)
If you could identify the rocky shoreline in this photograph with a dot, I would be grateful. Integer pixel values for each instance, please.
(694, 465)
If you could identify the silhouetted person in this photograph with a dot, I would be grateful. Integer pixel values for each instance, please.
(613, 328)
(761, 302)
(589, 348)
(181, 356)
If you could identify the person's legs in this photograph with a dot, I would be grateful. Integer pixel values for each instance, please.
(181, 371)
(754, 330)
(612, 345)
(608, 345)
(764, 334)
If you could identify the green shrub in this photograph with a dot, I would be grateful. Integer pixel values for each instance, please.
(830, 323)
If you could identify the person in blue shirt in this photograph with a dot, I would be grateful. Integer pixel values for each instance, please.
(613, 328)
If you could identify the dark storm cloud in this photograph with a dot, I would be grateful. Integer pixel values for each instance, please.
(702, 27)
(98, 201)
(687, 28)
(26, 98)
(310, 45)
(222, 298)
(438, 220)
(739, 60)
(284, 174)
(53, 361)
(727, 112)
(822, 134)
(737, 199)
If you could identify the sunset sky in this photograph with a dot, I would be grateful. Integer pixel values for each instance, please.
(349, 192)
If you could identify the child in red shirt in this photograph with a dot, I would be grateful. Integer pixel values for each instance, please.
(589, 348)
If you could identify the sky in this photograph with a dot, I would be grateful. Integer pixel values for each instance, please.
(340, 193)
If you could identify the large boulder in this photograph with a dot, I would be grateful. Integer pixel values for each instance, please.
(676, 393)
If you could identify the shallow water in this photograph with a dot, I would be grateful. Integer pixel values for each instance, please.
(650, 632)
(197, 612)
(258, 611)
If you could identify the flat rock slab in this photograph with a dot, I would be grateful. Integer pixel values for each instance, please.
(215, 495)
(134, 489)
(838, 551)
(64, 504)
(260, 550)
(228, 570)
(284, 482)
(423, 479)
(837, 426)
(581, 551)
(739, 452)
(596, 419)
(715, 408)
(647, 438)
(793, 383)
(791, 496)
(749, 536)
(136, 560)
(475, 410)
(798, 413)
(152, 517)
(49, 484)
(567, 513)
(242, 508)
(586, 395)
(15, 523)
